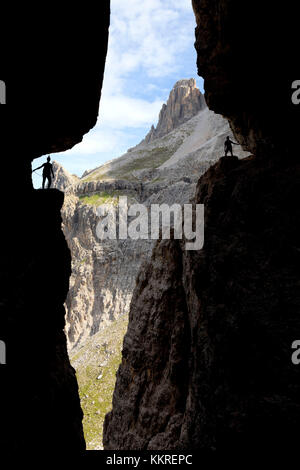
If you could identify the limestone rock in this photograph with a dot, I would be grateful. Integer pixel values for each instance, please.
(62, 178)
(206, 359)
(184, 102)
(185, 151)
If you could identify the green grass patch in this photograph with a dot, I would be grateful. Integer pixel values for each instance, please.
(108, 198)
(101, 355)
(98, 199)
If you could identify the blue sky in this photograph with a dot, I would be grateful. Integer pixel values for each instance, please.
(151, 46)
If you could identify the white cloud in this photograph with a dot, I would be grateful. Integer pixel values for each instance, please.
(121, 111)
(147, 39)
(149, 35)
(117, 114)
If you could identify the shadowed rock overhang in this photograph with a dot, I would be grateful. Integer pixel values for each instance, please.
(52, 64)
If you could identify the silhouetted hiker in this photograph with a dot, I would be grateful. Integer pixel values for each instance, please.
(228, 146)
(47, 172)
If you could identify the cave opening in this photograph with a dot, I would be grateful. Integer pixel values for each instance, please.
(225, 317)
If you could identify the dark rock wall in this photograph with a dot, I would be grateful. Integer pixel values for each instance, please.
(53, 66)
(39, 404)
(207, 356)
(246, 54)
(53, 69)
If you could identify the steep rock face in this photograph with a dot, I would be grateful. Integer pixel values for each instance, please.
(103, 271)
(223, 378)
(55, 96)
(184, 102)
(206, 359)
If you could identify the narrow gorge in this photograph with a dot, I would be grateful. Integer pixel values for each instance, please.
(205, 363)
(163, 168)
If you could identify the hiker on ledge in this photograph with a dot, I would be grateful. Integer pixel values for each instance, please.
(47, 172)
(228, 146)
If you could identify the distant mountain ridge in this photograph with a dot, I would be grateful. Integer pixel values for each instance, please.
(187, 134)
(184, 102)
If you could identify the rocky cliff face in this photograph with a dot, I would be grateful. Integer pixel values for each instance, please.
(103, 271)
(55, 96)
(184, 102)
(62, 178)
(207, 359)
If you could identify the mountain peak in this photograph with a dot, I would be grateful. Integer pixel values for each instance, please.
(184, 102)
(186, 82)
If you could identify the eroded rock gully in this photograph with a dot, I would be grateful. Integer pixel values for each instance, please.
(207, 356)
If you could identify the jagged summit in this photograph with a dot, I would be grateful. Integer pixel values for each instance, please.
(186, 82)
(184, 102)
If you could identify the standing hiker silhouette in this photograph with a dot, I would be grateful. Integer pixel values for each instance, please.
(228, 146)
(47, 172)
